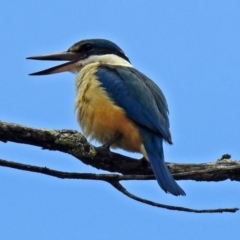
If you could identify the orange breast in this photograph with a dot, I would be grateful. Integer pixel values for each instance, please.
(99, 117)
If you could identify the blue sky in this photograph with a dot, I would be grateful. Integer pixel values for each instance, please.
(191, 49)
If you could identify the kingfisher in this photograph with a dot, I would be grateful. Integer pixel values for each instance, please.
(116, 104)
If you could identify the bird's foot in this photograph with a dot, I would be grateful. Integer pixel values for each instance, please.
(144, 162)
(108, 144)
(105, 148)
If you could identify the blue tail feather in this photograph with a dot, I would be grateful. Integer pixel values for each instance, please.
(154, 147)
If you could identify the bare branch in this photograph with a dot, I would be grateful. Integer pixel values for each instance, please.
(72, 142)
(112, 179)
(73, 175)
(120, 188)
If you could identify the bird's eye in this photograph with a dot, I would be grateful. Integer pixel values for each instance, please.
(87, 47)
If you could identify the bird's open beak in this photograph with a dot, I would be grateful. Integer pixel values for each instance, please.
(70, 66)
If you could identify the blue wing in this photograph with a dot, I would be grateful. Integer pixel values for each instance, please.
(145, 104)
(138, 95)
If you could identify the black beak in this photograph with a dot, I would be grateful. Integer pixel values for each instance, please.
(71, 66)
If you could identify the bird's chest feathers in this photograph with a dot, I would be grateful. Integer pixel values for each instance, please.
(96, 111)
(100, 118)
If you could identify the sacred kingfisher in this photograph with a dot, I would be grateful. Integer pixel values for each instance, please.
(116, 101)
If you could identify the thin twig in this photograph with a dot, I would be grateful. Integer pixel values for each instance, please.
(72, 175)
(123, 190)
(112, 179)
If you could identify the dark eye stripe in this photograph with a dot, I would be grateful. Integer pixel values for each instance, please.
(87, 47)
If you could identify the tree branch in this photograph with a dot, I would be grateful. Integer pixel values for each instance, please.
(120, 188)
(74, 143)
(112, 179)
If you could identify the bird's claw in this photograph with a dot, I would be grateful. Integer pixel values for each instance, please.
(144, 162)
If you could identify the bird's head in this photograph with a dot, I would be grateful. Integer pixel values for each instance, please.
(82, 53)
